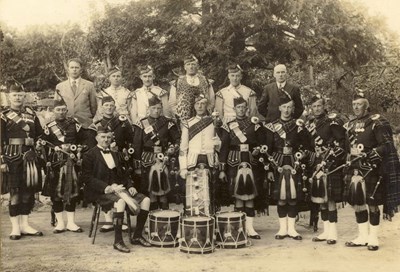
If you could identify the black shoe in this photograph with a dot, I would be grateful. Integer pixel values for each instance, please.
(15, 237)
(373, 248)
(297, 237)
(120, 246)
(58, 231)
(38, 233)
(103, 230)
(140, 241)
(331, 242)
(316, 239)
(351, 244)
(79, 230)
(280, 237)
(256, 237)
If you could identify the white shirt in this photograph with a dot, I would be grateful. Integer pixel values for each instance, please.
(281, 85)
(108, 158)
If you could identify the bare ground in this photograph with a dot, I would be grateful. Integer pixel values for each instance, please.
(74, 251)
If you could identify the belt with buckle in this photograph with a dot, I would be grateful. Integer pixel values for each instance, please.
(21, 141)
(287, 150)
(154, 149)
(241, 147)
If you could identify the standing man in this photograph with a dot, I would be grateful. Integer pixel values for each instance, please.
(224, 99)
(80, 97)
(373, 175)
(119, 93)
(20, 128)
(64, 133)
(197, 158)
(108, 184)
(187, 88)
(328, 136)
(239, 137)
(153, 138)
(289, 146)
(269, 101)
(139, 99)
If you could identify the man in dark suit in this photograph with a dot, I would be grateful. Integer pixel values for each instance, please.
(269, 102)
(79, 95)
(107, 183)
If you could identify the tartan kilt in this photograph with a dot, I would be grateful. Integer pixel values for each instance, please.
(370, 184)
(16, 177)
(335, 187)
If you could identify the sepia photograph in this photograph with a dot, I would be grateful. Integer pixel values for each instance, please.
(200, 135)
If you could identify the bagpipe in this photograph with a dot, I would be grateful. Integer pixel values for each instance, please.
(277, 172)
(358, 166)
(319, 186)
(66, 159)
(164, 166)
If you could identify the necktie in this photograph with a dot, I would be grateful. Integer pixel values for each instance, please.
(74, 87)
(106, 151)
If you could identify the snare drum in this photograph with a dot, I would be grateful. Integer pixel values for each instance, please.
(197, 235)
(231, 231)
(163, 228)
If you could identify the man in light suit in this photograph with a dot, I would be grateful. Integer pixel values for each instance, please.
(79, 95)
(268, 105)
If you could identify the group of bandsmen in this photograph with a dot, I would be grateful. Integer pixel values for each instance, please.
(131, 149)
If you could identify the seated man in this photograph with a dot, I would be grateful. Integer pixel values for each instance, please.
(106, 182)
(123, 137)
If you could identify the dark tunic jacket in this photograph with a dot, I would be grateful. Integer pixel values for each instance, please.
(96, 175)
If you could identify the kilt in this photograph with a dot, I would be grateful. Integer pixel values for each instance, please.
(335, 187)
(106, 201)
(16, 176)
(351, 194)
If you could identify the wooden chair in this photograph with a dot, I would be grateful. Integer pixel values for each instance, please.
(96, 221)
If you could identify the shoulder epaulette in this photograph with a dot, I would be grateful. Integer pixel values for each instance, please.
(170, 124)
(162, 92)
(225, 127)
(139, 123)
(92, 126)
(270, 126)
(219, 94)
(3, 114)
(51, 124)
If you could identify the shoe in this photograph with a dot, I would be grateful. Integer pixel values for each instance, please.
(140, 241)
(121, 247)
(280, 237)
(104, 230)
(331, 242)
(373, 248)
(15, 237)
(297, 237)
(77, 230)
(351, 244)
(316, 239)
(38, 233)
(256, 237)
(57, 231)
